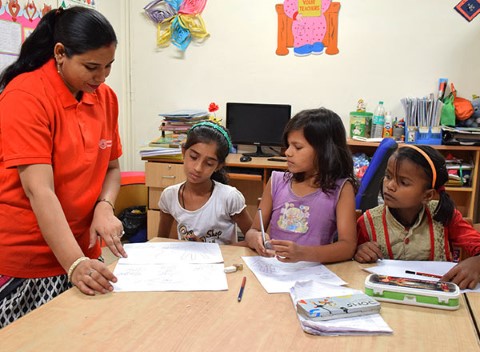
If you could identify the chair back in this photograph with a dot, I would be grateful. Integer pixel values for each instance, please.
(367, 195)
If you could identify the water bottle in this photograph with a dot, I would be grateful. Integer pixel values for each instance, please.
(388, 126)
(378, 121)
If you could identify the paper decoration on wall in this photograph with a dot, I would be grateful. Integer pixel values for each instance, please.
(85, 3)
(309, 26)
(178, 21)
(27, 16)
(469, 9)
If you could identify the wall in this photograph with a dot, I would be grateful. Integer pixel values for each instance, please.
(389, 49)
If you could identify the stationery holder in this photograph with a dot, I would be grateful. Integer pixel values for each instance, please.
(423, 135)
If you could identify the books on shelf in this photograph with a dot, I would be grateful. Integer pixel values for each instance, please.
(160, 151)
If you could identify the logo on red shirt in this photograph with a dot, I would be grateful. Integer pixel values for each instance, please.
(104, 144)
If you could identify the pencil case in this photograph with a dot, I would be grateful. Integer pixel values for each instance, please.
(433, 294)
(336, 307)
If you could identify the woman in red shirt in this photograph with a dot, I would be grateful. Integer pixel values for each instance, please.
(59, 169)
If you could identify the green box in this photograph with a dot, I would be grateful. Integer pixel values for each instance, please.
(360, 124)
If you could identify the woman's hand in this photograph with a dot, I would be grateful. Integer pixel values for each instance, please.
(368, 252)
(92, 276)
(254, 240)
(465, 274)
(106, 225)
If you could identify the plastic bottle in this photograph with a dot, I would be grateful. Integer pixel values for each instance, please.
(388, 126)
(378, 121)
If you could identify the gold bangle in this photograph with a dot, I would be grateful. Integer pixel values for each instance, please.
(106, 201)
(74, 266)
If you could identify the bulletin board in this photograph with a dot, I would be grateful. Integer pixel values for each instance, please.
(17, 21)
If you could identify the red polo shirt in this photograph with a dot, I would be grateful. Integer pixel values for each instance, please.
(42, 123)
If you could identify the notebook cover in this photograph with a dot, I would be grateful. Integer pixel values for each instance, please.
(336, 307)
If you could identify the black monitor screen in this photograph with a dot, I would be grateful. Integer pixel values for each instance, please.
(258, 124)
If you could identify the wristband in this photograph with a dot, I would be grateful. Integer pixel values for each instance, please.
(106, 201)
(74, 266)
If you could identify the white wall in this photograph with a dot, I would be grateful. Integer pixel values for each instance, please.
(389, 49)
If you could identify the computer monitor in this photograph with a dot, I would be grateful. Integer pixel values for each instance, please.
(257, 124)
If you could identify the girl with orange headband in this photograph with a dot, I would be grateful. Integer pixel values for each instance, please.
(410, 225)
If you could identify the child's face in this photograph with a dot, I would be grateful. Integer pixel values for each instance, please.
(405, 185)
(300, 154)
(200, 162)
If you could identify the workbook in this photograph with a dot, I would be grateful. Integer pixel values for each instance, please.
(336, 307)
(370, 324)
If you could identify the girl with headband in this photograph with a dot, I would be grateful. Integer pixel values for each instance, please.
(204, 207)
(413, 226)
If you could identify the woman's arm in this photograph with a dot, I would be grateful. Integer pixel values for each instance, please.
(37, 182)
(105, 223)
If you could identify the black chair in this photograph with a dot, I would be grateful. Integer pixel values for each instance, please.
(367, 195)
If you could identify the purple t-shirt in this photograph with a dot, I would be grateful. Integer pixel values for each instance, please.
(309, 220)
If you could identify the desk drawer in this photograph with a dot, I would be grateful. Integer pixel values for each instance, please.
(162, 175)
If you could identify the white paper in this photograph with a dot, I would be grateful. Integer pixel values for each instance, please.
(171, 266)
(277, 277)
(398, 268)
(172, 252)
(170, 277)
(371, 324)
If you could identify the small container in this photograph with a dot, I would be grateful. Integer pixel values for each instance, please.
(433, 294)
(360, 124)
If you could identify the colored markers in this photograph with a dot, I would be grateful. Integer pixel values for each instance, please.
(422, 274)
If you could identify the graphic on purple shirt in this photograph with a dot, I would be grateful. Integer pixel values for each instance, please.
(308, 220)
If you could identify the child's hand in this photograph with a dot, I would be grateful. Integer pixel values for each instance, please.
(465, 274)
(255, 241)
(368, 252)
(287, 251)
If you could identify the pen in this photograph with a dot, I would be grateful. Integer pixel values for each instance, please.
(422, 274)
(266, 243)
(242, 288)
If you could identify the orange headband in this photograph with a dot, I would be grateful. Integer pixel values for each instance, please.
(427, 158)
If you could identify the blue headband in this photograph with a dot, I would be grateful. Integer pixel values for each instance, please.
(215, 126)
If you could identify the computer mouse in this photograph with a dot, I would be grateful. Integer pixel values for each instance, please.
(245, 158)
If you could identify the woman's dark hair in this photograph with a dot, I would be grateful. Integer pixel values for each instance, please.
(445, 208)
(324, 131)
(208, 134)
(79, 29)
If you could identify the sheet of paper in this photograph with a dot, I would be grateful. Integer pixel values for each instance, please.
(372, 324)
(172, 252)
(398, 268)
(170, 277)
(171, 266)
(276, 276)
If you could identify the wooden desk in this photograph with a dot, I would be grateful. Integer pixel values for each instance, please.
(215, 321)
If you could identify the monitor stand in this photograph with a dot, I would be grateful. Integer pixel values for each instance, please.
(259, 153)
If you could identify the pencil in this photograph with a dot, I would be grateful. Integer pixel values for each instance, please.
(423, 274)
(266, 243)
(242, 288)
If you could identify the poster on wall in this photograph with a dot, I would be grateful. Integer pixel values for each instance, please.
(309, 27)
(17, 21)
(69, 3)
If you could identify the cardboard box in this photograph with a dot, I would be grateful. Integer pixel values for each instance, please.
(360, 124)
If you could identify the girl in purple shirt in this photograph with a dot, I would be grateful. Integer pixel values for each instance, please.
(313, 203)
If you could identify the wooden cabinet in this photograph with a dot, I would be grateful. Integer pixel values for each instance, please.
(465, 198)
(248, 177)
